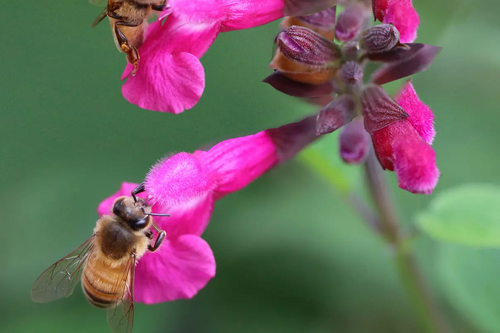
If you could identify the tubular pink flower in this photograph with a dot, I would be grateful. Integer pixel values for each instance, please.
(170, 77)
(186, 187)
(401, 13)
(184, 263)
(421, 116)
(226, 167)
(399, 148)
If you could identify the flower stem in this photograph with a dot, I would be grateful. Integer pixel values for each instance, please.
(416, 287)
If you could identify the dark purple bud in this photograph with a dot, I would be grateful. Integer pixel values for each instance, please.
(298, 89)
(306, 7)
(351, 73)
(379, 109)
(354, 142)
(306, 47)
(291, 138)
(350, 21)
(380, 38)
(403, 62)
(324, 19)
(335, 115)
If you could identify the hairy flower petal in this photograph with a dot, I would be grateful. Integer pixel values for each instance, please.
(178, 179)
(178, 270)
(235, 163)
(170, 77)
(405, 18)
(421, 116)
(400, 148)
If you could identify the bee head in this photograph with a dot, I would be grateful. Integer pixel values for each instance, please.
(136, 214)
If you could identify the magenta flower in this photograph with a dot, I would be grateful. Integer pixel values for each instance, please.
(401, 13)
(404, 145)
(186, 186)
(170, 77)
(184, 263)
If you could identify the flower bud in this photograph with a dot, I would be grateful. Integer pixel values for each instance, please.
(350, 21)
(380, 38)
(335, 115)
(379, 109)
(323, 20)
(306, 47)
(306, 7)
(354, 142)
(351, 73)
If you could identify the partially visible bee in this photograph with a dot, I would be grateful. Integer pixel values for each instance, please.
(105, 263)
(129, 20)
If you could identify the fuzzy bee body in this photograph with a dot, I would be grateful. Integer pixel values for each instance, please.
(129, 20)
(105, 263)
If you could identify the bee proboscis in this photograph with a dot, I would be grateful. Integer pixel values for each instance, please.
(105, 263)
(129, 20)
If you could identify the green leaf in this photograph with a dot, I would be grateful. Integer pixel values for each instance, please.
(469, 279)
(323, 158)
(468, 215)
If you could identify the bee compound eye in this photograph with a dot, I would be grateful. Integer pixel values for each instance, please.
(138, 224)
(118, 207)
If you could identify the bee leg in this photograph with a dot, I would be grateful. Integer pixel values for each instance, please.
(159, 240)
(139, 189)
(149, 234)
(161, 237)
(129, 50)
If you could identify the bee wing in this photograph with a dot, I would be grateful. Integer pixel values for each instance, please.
(121, 317)
(100, 17)
(60, 279)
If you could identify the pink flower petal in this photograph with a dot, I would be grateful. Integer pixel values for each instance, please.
(106, 205)
(188, 218)
(416, 166)
(170, 77)
(400, 148)
(178, 270)
(235, 163)
(403, 15)
(232, 15)
(178, 179)
(421, 116)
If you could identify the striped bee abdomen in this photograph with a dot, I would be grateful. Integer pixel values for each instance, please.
(102, 284)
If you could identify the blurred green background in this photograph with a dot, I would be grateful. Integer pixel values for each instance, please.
(291, 255)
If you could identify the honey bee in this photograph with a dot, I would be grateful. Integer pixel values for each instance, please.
(129, 20)
(105, 263)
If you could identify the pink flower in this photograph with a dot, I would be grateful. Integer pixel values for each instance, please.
(227, 167)
(170, 77)
(404, 145)
(186, 186)
(401, 13)
(184, 263)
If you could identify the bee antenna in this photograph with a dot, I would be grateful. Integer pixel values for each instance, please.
(153, 214)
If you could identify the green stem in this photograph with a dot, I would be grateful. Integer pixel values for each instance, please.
(416, 287)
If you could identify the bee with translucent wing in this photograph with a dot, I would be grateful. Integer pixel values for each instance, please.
(105, 262)
(129, 20)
